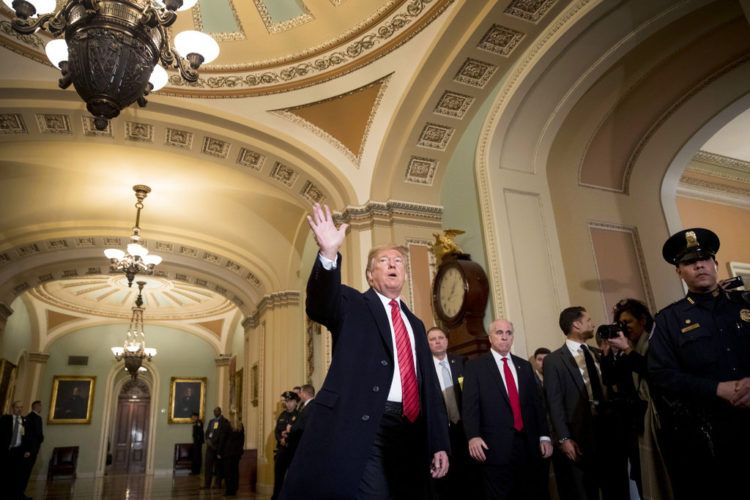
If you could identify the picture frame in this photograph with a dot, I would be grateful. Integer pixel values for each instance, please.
(186, 395)
(72, 399)
(7, 385)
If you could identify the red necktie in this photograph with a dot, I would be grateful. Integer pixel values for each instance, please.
(409, 391)
(515, 402)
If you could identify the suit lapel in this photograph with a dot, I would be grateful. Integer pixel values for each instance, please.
(493, 370)
(381, 319)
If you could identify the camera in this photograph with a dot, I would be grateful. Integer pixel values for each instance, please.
(611, 331)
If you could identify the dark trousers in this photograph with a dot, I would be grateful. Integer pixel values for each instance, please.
(603, 466)
(715, 468)
(196, 457)
(281, 463)
(396, 468)
(462, 480)
(517, 480)
(214, 467)
(26, 466)
(13, 467)
(231, 474)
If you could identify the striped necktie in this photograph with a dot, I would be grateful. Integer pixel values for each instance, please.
(409, 391)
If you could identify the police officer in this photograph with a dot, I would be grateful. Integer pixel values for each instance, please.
(282, 453)
(699, 361)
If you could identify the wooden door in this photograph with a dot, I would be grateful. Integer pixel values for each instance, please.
(130, 442)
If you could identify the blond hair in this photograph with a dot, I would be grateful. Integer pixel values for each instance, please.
(375, 251)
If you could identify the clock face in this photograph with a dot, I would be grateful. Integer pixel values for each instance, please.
(451, 292)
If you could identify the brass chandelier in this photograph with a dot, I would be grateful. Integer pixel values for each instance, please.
(111, 48)
(136, 259)
(134, 350)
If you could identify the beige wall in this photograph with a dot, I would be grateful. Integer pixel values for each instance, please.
(730, 223)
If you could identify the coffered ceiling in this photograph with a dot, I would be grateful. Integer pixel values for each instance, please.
(347, 102)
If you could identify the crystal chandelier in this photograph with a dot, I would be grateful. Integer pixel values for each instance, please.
(136, 259)
(134, 350)
(111, 48)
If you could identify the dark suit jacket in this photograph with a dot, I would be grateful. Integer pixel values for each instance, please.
(567, 399)
(487, 412)
(34, 432)
(6, 434)
(346, 412)
(298, 427)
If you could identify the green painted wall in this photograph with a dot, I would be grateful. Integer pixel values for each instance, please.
(460, 198)
(179, 355)
(17, 335)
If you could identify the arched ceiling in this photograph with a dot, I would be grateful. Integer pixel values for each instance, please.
(348, 102)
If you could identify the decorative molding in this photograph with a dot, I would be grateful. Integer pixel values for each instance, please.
(353, 156)
(53, 123)
(500, 40)
(529, 10)
(412, 17)
(671, 109)
(223, 360)
(699, 189)
(38, 357)
(250, 159)
(311, 193)
(284, 174)
(274, 28)
(219, 37)
(453, 104)
(475, 73)
(421, 170)
(271, 301)
(215, 147)
(90, 130)
(139, 132)
(434, 136)
(389, 211)
(178, 138)
(12, 123)
(722, 161)
(482, 166)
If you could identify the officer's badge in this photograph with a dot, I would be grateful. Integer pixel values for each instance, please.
(691, 327)
(691, 240)
(745, 315)
(687, 321)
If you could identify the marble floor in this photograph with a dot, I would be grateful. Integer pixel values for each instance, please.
(131, 487)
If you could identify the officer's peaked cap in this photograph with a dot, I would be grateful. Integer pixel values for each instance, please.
(690, 244)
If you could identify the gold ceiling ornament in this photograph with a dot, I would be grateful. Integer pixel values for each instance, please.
(134, 350)
(136, 259)
(112, 48)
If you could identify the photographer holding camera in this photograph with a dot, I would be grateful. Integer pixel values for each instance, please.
(624, 369)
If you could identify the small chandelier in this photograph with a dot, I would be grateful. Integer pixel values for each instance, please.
(136, 259)
(134, 350)
(112, 48)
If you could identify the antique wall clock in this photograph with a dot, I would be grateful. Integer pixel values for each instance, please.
(459, 299)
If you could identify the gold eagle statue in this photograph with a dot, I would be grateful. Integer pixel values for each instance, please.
(445, 245)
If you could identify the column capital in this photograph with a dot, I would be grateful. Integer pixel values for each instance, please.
(223, 360)
(38, 357)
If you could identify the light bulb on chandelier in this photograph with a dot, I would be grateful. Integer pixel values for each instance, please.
(137, 259)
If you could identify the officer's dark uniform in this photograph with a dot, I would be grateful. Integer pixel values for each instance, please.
(282, 456)
(698, 342)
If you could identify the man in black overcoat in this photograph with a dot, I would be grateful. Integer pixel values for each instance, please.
(378, 426)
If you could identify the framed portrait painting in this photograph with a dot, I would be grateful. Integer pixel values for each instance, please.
(72, 399)
(186, 395)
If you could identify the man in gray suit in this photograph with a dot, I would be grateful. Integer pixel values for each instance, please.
(579, 414)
